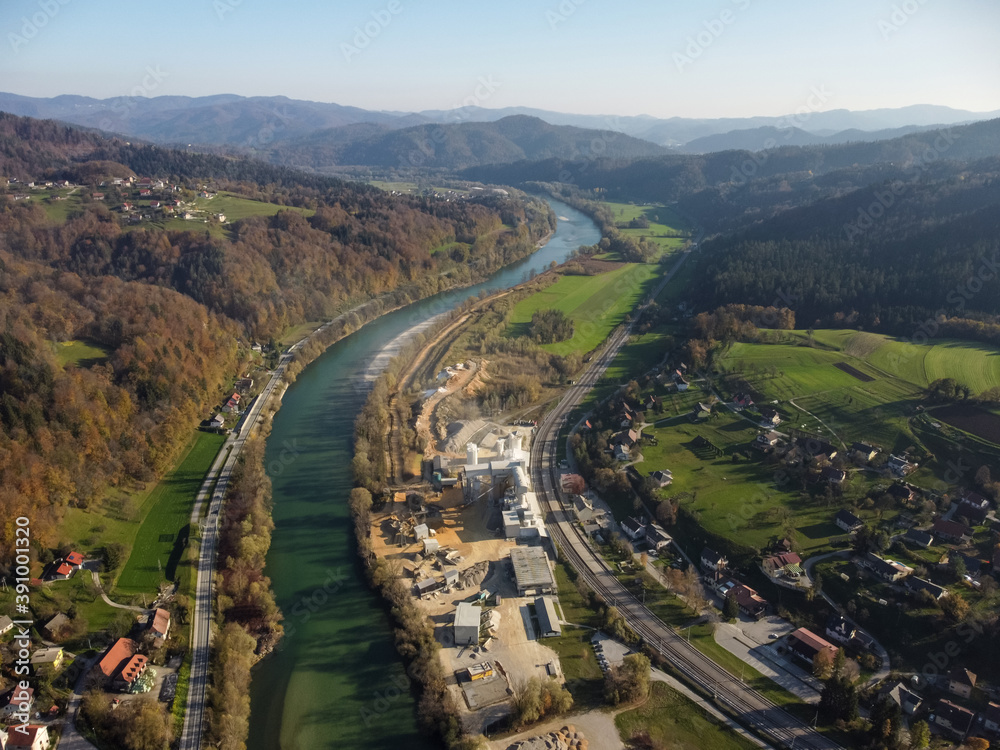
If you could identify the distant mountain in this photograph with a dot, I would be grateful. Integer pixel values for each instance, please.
(255, 122)
(768, 137)
(506, 141)
(225, 119)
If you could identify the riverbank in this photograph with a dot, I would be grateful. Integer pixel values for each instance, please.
(332, 680)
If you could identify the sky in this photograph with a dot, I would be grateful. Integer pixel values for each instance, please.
(710, 58)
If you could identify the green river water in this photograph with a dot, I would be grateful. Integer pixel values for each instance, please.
(336, 681)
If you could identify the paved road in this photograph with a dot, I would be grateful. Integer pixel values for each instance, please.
(71, 739)
(219, 474)
(752, 708)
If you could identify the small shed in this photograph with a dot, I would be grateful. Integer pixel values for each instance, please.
(548, 620)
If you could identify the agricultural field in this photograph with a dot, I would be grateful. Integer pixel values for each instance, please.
(596, 304)
(157, 545)
(80, 353)
(204, 209)
(666, 227)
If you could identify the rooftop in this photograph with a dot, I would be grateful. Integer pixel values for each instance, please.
(467, 615)
(531, 567)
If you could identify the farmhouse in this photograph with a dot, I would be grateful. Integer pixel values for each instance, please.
(786, 563)
(55, 624)
(887, 570)
(60, 571)
(628, 438)
(131, 672)
(742, 400)
(531, 571)
(548, 620)
(953, 718)
(805, 644)
(961, 681)
(817, 450)
(951, 531)
(634, 528)
(863, 452)
(11, 701)
(217, 422)
(75, 559)
(48, 656)
(848, 521)
(120, 653)
(466, 626)
(159, 626)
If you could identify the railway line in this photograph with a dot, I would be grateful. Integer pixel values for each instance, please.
(749, 707)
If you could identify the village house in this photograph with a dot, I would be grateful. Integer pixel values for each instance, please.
(908, 701)
(633, 528)
(742, 400)
(55, 624)
(919, 585)
(5, 624)
(817, 450)
(991, 717)
(159, 624)
(770, 417)
(621, 453)
(961, 681)
(60, 571)
(583, 508)
(712, 560)
(627, 438)
(750, 603)
(12, 701)
(918, 538)
(766, 441)
(217, 422)
(783, 564)
(973, 508)
(953, 718)
(888, 570)
(657, 538)
(899, 466)
(840, 629)
(862, 452)
(848, 521)
(662, 477)
(901, 493)
(833, 475)
(806, 645)
(34, 737)
(952, 531)
(117, 657)
(49, 657)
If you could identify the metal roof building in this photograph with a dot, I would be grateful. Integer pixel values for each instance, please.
(548, 620)
(531, 571)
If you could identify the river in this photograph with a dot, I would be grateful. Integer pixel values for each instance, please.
(336, 681)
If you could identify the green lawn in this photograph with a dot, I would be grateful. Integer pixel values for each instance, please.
(666, 228)
(159, 542)
(81, 353)
(674, 721)
(205, 209)
(595, 304)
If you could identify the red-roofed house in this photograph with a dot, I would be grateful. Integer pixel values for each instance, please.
(787, 563)
(61, 572)
(131, 672)
(34, 736)
(117, 657)
(806, 644)
(75, 559)
(160, 624)
(15, 701)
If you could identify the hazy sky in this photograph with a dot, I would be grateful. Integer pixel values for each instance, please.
(708, 58)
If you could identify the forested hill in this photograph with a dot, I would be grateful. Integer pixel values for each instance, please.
(456, 146)
(886, 257)
(675, 176)
(172, 312)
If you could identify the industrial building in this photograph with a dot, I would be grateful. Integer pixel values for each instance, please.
(467, 624)
(531, 571)
(548, 620)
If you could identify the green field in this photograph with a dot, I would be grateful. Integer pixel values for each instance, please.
(674, 721)
(157, 549)
(666, 227)
(595, 304)
(80, 353)
(233, 206)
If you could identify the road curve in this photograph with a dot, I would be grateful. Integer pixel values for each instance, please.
(752, 708)
(194, 715)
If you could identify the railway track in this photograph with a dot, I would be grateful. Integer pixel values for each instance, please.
(749, 707)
